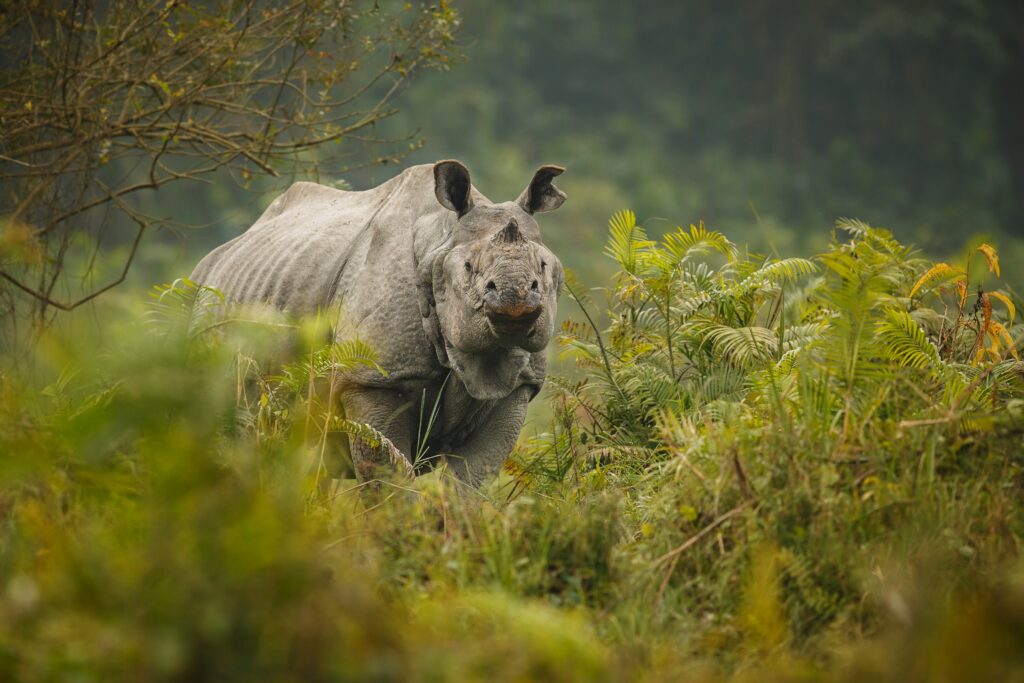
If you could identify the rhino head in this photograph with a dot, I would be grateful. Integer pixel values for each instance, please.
(496, 286)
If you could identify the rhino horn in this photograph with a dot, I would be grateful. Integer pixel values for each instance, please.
(510, 234)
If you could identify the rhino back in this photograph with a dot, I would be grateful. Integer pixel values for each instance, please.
(316, 248)
(378, 288)
(293, 256)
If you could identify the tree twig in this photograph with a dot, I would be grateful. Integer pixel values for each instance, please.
(677, 552)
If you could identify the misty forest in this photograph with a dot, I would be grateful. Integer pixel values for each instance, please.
(566, 340)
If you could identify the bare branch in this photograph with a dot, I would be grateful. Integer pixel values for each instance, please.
(101, 104)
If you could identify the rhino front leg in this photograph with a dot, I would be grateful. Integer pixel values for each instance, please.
(390, 413)
(483, 454)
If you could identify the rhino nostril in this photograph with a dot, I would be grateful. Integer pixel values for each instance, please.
(534, 286)
(491, 286)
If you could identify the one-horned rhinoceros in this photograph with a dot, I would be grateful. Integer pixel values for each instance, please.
(456, 295)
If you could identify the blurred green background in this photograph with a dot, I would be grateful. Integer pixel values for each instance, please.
(765, 120)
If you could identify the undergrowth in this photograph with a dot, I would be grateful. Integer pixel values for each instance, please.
(757, 468)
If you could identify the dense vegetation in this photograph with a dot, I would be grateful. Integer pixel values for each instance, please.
(762, 468)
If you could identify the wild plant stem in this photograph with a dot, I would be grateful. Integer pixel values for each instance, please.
(600, 342)
(668, 329)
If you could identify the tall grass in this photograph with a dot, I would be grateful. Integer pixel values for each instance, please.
(761, 468)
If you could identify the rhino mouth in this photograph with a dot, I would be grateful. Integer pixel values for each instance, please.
(505, 325)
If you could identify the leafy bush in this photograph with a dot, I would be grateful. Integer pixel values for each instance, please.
(814, 410)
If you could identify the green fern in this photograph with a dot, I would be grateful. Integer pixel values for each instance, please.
(184, 306)
(627, 242)
(906, 343)
(678, 247)
(375, 439)
(319, 364)
(778, 271)
(743, 346)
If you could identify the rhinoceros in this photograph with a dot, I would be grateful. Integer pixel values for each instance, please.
(456, 294)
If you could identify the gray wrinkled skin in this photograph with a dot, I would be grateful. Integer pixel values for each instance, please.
(437, 279)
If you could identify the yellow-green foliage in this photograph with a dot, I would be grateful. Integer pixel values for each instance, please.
(763, 469)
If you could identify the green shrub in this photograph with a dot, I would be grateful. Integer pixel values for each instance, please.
(813, 406)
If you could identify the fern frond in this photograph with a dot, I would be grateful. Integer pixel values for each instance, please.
(798, 336)
(1010, 369)
(574, 329)
(626, 241)
(699, 277)
(778, 271)
(375, 439)
(319, 364)
(905, 342)
(721, 383)
(858, 229)
(183, 305)
(680, 246)
(942, 271)
(618, 452)
(648, 386)
(743, 345)
(353, 353)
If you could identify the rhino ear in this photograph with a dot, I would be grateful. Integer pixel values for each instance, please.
(452, 186)
(540, 194)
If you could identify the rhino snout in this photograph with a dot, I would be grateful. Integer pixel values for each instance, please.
(512, 311)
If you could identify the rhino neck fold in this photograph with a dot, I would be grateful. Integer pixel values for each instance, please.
(489, 376)
(432, 240)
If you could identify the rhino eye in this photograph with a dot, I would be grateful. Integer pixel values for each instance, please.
(543, 265)
(469, 267)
